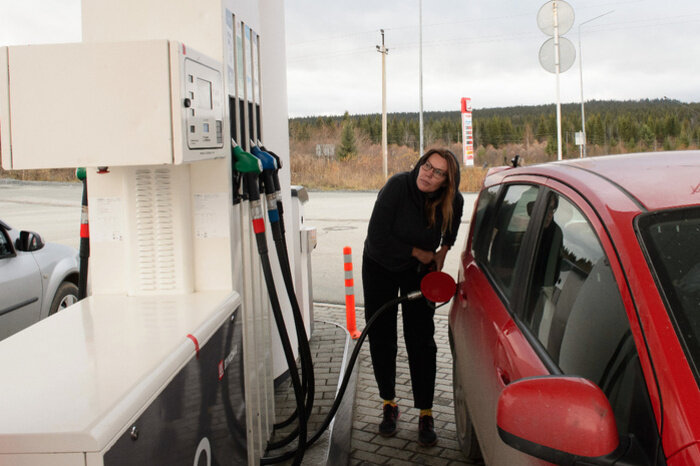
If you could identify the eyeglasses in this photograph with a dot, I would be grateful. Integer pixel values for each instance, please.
(436, 171)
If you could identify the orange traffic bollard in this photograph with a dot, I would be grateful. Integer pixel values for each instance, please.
(349, 293)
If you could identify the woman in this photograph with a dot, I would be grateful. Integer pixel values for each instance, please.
(415, 213)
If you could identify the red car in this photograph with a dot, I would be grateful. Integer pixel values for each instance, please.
(575, 332)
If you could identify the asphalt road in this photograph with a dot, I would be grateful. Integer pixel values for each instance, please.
(340, 219)
(50, 209)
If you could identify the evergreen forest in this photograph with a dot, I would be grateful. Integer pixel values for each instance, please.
(611, 127)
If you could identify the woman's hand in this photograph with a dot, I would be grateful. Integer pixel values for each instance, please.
(423, 256)
(439, 257)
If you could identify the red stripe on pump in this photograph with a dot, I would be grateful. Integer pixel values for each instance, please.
(196, 343)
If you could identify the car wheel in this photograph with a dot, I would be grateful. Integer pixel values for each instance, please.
(66, 295)
(466, 437)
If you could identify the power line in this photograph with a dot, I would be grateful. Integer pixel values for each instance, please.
(332, 38)
(412, 45)
(608, 27)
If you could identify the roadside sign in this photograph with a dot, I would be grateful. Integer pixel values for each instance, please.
(467, 134)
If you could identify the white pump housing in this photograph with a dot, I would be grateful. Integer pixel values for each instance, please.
(120, 104)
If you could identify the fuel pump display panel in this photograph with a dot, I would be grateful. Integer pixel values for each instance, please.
(204, 102)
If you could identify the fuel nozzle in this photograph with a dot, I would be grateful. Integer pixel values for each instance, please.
(250, 167)
(269, 168)
(276, 181)
(275, 175)
(269, 165)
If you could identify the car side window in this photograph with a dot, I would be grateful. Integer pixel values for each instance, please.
(484, 207)
(506, 236)
(5, 246)
(575, 310)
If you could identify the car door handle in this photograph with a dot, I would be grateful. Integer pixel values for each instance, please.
(462, 292)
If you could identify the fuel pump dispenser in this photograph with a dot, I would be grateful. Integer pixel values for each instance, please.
(170, 359)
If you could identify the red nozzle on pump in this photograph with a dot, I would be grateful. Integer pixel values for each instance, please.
(438, 287)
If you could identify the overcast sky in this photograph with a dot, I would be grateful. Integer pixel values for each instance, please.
(485, 50)
(471, 48)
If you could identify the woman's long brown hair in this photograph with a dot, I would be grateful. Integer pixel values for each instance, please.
(446, 197)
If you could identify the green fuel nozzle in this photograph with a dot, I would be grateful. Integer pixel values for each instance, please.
(250, 167)
(245, 162)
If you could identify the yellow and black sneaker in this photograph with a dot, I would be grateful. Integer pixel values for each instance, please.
(387, 428)
(426, 431)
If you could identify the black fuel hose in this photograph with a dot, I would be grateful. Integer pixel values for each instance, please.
(84, 253)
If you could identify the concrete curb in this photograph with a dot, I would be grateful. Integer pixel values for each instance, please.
(341, 433)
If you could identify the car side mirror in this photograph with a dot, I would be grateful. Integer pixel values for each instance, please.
(29, 241)
(559, 419)
(438, 287)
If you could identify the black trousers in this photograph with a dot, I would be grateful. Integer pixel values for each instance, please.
(381, 286)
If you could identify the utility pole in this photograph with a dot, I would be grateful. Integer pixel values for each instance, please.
(384, 51)
(420, 72)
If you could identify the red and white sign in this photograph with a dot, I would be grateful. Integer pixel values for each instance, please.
(467, 135)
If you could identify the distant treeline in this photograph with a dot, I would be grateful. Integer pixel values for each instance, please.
(636, 125)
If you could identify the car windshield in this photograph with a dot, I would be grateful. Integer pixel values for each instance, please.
(671, 241)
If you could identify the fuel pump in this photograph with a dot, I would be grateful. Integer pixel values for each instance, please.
(149, 368)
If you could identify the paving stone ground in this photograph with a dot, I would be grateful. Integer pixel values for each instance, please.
(366, 446)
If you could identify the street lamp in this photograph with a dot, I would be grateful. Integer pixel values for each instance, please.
(420, 74)
(580, 71)
(384, 51)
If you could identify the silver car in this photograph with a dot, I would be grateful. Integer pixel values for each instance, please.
(37, 279)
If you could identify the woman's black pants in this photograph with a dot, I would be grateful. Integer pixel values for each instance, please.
(381, 286)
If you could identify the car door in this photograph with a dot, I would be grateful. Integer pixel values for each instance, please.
(574, 317)
(490, 351)
(20, 288)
